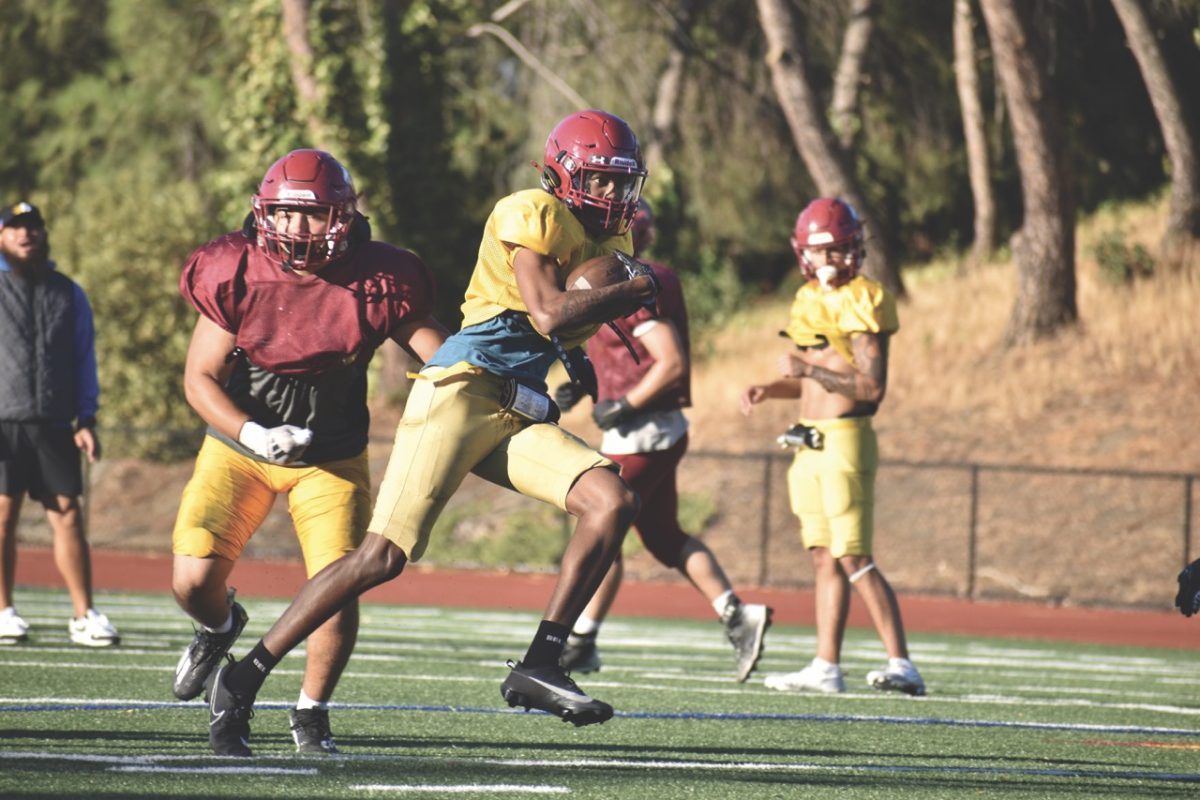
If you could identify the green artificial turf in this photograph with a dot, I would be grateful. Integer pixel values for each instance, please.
(419, 714)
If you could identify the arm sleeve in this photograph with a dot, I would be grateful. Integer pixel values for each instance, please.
(421, 290)
(533, 225)
(870, 309)
(87, 378)
(202, 284)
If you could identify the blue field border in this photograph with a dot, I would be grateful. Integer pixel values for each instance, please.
(736, 716)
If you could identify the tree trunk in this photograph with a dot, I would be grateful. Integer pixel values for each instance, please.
(843, 109)
(300, 59)
(814, 137)
(1182, 237)
(1044, 247)
(666, 98)
(966, 77)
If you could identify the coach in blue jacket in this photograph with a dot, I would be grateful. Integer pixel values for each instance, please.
(49, 395)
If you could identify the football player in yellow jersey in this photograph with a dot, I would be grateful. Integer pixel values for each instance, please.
(480, 405)
(840, 322)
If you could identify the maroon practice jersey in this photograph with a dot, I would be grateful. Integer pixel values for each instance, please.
(304, 341)
(616, 371)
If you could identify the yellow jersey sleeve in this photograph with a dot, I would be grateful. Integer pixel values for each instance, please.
(536, 220)
(861, 306)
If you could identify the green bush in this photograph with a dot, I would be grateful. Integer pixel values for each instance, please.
(1119, 263)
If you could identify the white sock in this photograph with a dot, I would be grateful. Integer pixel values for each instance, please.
(223, 628)
(722, 602)
(854, 576)
(306, 702)
(585, 626)
(825, 666)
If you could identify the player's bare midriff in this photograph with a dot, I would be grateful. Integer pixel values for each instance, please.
(816, 402)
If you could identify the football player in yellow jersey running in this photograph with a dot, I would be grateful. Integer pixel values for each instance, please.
(480, 405)
(840, 322)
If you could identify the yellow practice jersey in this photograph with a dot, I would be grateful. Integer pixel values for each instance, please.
(536, 220)
(860, 306)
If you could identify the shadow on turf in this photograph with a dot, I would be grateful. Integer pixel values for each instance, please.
(558, 747)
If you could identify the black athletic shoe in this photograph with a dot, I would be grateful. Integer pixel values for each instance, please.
(580, 654)
(228, 717)
(204, 653)
(310, 729)
(550, 689)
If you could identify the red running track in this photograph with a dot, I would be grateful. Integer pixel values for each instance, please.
(117, 571)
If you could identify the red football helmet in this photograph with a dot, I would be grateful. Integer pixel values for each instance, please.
(828, 241)
(595, 145)
(305, 179)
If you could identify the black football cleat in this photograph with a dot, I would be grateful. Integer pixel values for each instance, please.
(204, 653)
(229, 717)
(550, 689)
(310, 730)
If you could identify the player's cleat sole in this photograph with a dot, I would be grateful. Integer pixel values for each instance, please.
(228, 718)
(746, 629)
(310, 730)
(201, 657)
(551, 690)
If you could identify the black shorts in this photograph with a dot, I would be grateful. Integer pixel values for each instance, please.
(40, 458)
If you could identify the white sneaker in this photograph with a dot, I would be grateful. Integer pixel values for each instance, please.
(93, 630)
(13, 629)
(816, 677)
(898, 676)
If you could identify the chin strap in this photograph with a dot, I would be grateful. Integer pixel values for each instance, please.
(624, 340)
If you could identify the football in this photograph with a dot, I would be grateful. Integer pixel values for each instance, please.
(598, 272)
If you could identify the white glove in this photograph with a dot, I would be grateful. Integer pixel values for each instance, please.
(281, 445)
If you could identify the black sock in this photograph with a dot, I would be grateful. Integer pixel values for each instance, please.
(247, 676)
(547, 644)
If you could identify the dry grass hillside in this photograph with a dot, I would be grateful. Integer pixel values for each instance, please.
(1120, 390)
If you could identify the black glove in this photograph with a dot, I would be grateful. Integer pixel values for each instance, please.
(583, 374)
(637, 269)
(1188, 599)
(567, 395)
(611, 413)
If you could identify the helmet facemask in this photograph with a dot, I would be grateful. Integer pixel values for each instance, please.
(313, 183)
(603, 210)
(303, 250)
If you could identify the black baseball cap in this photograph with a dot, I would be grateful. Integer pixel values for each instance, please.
(21, 214)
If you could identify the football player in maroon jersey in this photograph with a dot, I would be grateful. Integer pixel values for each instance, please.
(291, 309)
(640, 409)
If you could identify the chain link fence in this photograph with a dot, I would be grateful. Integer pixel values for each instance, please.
(1113, 538)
